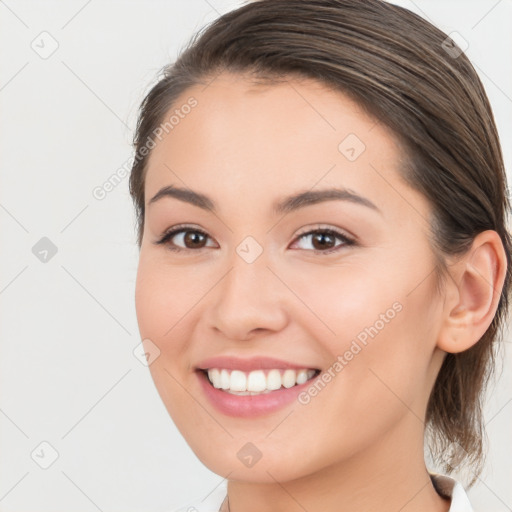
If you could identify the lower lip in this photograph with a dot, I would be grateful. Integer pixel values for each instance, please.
(247, 406)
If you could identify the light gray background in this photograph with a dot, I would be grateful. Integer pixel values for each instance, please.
(68, 375)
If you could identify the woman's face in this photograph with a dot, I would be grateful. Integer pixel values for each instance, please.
(259, 292)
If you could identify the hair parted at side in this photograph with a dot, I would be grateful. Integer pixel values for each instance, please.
(396, 66)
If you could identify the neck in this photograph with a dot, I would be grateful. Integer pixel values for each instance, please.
(388, 476)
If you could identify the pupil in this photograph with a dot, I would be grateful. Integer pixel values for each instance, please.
(321, 239)
(193, 237)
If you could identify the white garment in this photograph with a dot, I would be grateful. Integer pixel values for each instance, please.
(444, 485)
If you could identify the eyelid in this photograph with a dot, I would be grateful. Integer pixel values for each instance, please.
(327, 227)
(174, 230)
(348, 239)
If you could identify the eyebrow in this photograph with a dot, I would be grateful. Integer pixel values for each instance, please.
(283, 206)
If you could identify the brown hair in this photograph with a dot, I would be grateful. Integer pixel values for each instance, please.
(406, 73)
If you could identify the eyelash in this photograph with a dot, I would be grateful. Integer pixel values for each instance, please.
(347, 241)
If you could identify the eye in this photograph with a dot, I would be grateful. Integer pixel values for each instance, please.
(323, 240)
(181, 238)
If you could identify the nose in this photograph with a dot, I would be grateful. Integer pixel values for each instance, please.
(249, 300)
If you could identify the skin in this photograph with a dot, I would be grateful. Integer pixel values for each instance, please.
(358, 444)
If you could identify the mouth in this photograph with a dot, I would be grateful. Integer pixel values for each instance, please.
(257, 382)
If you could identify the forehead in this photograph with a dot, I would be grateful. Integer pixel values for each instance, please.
(242, 139)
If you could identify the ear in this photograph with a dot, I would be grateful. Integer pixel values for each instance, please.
(473, 293)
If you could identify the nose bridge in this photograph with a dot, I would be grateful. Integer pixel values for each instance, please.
(248, 296)
(248, 262)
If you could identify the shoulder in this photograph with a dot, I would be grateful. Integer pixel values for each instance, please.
(209, 503)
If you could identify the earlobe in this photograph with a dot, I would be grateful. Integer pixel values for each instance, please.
(472, 296)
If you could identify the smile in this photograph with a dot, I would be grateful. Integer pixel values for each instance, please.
(258, 382)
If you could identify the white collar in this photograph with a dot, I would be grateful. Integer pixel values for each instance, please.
(449, 487)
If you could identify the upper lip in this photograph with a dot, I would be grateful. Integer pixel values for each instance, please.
(248, 364)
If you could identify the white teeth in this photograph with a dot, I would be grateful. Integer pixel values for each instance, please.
(224, 379)
(257, 381)
(302, 376)
(238, 381)
(289, 378)
(214, 376)
(274, 380)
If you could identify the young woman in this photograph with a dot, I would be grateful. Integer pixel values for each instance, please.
(324, 260)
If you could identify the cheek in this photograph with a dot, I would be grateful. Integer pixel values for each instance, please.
(379, 326)
(163, 296)
(345, 299)
(161, 303)
(368, 299)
